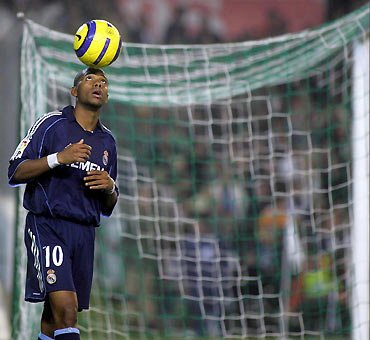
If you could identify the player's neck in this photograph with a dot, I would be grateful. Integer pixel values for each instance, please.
(86, 117)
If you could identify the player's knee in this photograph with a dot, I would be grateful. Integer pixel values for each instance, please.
(66, 316)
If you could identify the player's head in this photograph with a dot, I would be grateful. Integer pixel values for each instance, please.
(89, 70)
(90, 87)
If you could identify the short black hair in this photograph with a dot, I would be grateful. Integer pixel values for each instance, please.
(86, 71)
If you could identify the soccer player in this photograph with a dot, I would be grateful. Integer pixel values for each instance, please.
(69, 161)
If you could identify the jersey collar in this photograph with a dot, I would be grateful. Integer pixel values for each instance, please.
(68, 112)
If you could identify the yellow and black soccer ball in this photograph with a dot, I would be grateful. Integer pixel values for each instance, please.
(97, 43)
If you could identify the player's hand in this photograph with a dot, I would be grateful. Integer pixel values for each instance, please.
(97, 179)
(78, 152)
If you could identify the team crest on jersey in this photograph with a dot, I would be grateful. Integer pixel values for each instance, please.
(51, 278)
(105, 157)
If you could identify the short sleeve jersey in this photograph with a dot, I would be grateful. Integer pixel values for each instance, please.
(61, 192)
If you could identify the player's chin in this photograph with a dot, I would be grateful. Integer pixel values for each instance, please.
(96, 103)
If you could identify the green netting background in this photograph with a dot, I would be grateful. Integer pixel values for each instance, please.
(235, 172)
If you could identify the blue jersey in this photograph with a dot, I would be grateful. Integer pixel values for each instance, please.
(60, 192)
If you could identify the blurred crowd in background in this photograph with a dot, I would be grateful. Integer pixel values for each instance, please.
(185, 21)
(233, 198)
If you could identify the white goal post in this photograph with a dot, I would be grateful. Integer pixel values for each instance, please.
(361, 185)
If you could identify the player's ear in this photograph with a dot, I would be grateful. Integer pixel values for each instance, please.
(74, 91)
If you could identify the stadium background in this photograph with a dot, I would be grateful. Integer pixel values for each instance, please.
(161, 21)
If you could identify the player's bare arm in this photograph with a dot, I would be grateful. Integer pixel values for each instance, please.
(33, 168)
(100, 180)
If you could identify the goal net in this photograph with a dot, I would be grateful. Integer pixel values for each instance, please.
(243, 176)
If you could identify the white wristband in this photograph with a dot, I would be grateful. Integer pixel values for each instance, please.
(52, 160)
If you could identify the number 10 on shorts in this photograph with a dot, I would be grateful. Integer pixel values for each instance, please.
(55, 254)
